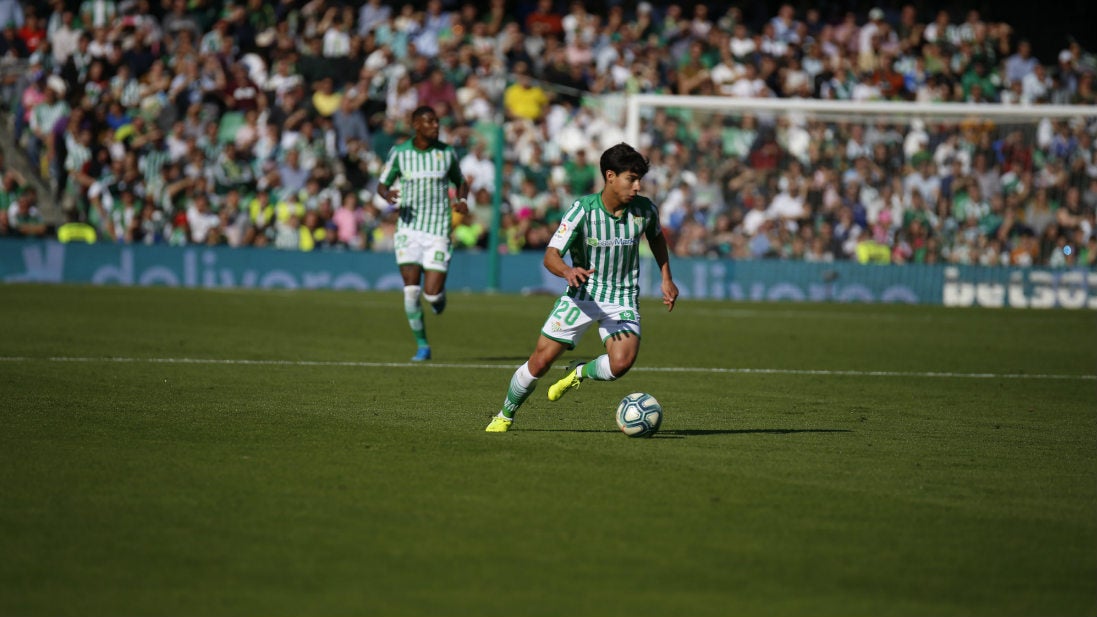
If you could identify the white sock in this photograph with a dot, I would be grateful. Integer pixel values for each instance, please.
(411, 298)
(414, 314)
(598, 369)
(434, 299)
(523, 377)
(521, 386)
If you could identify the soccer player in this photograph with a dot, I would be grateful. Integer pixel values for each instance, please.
(602, 233)
(425, 167)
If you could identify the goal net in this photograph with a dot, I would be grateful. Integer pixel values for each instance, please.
(871, 182)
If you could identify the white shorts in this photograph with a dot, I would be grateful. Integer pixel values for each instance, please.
(570, 318)
(420, 248)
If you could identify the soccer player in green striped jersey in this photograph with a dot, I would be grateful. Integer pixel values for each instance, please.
(425, 168)
(602, 234)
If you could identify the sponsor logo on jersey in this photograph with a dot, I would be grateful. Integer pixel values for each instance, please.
(613, 242)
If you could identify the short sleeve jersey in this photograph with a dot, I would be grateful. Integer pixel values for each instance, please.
(424, 177)
(610, 245)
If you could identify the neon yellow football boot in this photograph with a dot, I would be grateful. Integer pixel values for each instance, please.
(499, 424)
(575, 377)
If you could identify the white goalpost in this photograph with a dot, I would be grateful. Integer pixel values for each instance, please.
(849, 110)
(823, 180)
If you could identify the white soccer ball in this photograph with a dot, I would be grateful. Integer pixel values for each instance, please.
(639, 415)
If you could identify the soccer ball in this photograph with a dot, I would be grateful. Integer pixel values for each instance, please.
(639, 415)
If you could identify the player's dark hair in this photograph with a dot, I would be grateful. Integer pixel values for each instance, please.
(420, 111)
(622, 158)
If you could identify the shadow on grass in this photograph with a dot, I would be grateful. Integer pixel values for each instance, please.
(695, 432)
(690, 432)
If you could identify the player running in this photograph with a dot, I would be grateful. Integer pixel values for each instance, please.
(602, 233)
(425, 168)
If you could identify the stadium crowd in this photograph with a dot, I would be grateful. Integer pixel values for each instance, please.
(260, 123)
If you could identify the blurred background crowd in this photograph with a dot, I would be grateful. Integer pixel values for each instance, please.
(259, 123)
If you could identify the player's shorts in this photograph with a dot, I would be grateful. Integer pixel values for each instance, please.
(427, 250)
(570, 318)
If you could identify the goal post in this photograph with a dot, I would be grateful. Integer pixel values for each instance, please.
(832, 110)
(870, 182)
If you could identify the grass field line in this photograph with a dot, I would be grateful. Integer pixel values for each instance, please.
(467, 365)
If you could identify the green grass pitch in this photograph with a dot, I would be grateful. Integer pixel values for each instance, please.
(189, 452)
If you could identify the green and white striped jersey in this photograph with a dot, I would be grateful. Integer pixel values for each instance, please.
(152, 161)
(424, 185)
(611, 245)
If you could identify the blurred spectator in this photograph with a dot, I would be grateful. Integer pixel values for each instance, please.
(11, 12)
(545, 19)
(336, 42)
(326, 101)
(291, 174)
(478, 168)
(372, 14)
(436, 91)
(582, 174)
(523, 99)
(282, 111)
(1036, 86)
(1020, 63)
(23, 216)
(203, 223)
(402, 98)
(349, 224)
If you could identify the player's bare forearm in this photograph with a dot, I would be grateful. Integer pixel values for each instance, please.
(554, 263)
(662, 255)
(387, 194)
(461, 204)
(662, 259)
(670, 291)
